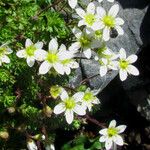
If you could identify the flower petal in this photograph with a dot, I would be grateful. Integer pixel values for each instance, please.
(59, 68)
(80, 110)
(81, 23)
(103, 138)
(78, 96)
(80, 12)
(75, 47)
(112, 124)
(121, 128)
(72, 3)
(30, 61)
(108, 144)
(87, 53)
(119, 30)
(21, 54)
(123, 74)
(118, 140)
(106, 34)
(91, 8)
(133, 70)
(132, 58)
(45, 67)
(64, 95)
(114, 10)
(100, 12)
(103, 131)
(28, 42)
(39, 45)
(103, 70)
(122, 53)
(69, 116)
(62, 47)
(5, 59)
(40, 55)
(53, 45)
(119, 21)
(58, 109)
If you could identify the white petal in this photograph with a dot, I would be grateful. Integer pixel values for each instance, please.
(100, 12)
(106, 34)
(132, 58)
(97, 25)
(9, 51)
(81, 23)
(45, 67)
(111, 1)
(30, 61)
(39, 45)
(118, 140)
(112, 124)
(108, 144)
(64, 95)
(133, 70)
(103, 70)
(103, 131)
(72, 3)
(78, 96)
(58, 109)
(121, 128)
(59, 68)
(62, 47)
(21, 54)
(80, 12)
(91, 8)
(103, 138)
(122, 53)
(75, 47)
(79, 110)
(67, 70)
(114, 10)
(69, 116)
(96, 101)
(119, 30)
(53, 45)
(113, 65)
(105, 61)
(40, 55)
(119, 21)
(100, 1)
(5, 59)
(74, 65)
(28, 42)
(123, 74)
(87, 53)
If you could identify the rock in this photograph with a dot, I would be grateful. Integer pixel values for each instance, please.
(134, 13)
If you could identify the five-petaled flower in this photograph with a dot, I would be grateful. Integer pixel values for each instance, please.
(108, 21)
(4, 51)
(29, 52)
(125, 65)
(111, 135)
(70, 105)
(89, 18)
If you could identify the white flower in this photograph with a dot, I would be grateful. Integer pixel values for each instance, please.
(85, 41)
(89, 99)
(31, 145)
(107, 0)
(125, 65)
(70, 105)
(29, 52)
(4, 51)
(107, 62)
(111, 134)
(72, 3)
(50, 147)
(109, 21)
(53, 58)
(89, 18)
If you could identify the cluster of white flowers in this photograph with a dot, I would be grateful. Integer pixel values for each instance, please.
(78, 103)
(111, 135)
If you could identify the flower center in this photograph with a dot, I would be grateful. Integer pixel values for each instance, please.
(85, 41)
(112, 131)
(2, 50)
(30, 50)
(90, 19)
(109, 21)
(52, 58)
(123, 64)
(55, 91)
(88, 96)
(98, 34)
(70, 103)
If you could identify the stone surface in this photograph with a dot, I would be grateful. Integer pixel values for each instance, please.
(137, 34)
